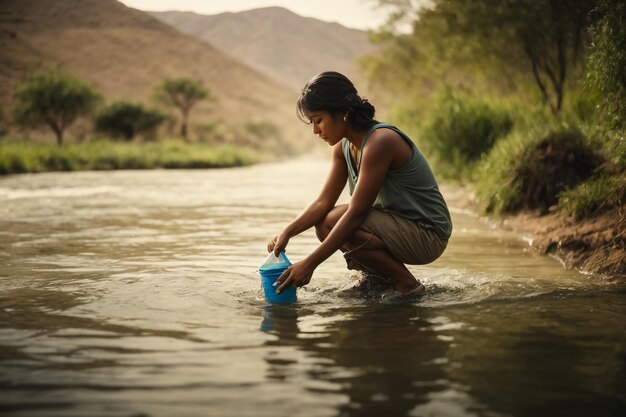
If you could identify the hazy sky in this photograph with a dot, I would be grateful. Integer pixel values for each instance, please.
(360, 14)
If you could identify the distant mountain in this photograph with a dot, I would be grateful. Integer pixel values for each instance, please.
(124, 53)
(277, 42)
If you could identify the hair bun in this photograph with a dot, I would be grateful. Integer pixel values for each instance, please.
(334, 93)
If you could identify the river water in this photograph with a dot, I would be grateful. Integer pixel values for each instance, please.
(136, 293)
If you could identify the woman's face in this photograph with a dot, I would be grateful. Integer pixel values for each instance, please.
(327, 128)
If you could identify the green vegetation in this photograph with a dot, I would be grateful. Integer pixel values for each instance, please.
(460, 130)
(532, 115)
(529, 169)
(593, 196)
(20, 157)
(607, 61)
(182, 94)
(57, 100)
(125, 120)
(53, 99)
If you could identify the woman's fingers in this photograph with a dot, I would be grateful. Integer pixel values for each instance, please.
(283, 281)
(280, 243)
(272, 244)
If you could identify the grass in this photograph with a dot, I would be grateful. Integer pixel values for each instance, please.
(494, 175)
(24, 157)
(593, 196)
(530, 168)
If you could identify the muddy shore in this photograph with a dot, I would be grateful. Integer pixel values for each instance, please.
(596, 245)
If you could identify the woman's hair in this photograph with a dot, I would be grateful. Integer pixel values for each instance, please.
(334, 93)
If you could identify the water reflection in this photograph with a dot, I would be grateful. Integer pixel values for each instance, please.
(545, 356)
(386, 360)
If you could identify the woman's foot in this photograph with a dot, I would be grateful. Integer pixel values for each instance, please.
(395, 294)
(368, 285)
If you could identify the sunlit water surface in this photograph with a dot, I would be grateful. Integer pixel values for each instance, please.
(136, 293)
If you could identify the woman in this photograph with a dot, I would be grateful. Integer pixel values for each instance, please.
(396, 214)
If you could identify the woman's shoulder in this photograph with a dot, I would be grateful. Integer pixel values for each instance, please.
(390, 141)
(384, 132)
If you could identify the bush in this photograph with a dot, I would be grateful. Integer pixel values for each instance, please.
(461, 129)
(614, 144)
(530, 169)
(606, 67)
(593, 196)
(126, 120)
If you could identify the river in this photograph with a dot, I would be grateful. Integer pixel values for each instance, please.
(136, 293)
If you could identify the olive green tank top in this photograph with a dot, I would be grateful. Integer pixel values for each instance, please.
(410, 191)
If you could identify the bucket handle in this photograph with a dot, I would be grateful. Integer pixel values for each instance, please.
(284, 256)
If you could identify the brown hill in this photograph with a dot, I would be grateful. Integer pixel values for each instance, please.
(277, 42)
(124, 53)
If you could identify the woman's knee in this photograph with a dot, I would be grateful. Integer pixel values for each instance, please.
(363, 239)
(323, 228)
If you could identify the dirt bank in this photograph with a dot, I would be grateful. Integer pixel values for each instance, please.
(595, 245)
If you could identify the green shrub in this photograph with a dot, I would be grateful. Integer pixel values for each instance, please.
(460, 130)
(530, 169)
(614, 145)
(606, 63)
(126, 120)
(593, 196)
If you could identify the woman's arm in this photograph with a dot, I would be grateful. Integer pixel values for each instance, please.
(376, 161)
(318, 209)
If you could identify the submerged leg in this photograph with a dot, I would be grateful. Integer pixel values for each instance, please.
(366, 252)
(382, 263)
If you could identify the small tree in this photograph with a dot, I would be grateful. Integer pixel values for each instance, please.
(126, 120)
(182, 94)
(54, 99)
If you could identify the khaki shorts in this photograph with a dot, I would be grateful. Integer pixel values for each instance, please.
(404, 239)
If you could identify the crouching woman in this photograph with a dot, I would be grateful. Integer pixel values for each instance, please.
(396, 214)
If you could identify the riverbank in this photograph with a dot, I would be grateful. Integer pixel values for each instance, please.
(596, 245)
(18, 157)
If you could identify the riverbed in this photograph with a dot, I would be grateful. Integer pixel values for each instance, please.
(136, 293)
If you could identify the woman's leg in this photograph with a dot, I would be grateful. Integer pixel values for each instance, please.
(368, 251)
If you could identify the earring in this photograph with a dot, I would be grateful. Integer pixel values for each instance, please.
(345, 117)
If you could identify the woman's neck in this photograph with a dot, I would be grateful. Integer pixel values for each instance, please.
(355, 137)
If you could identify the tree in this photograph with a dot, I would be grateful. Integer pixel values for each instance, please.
(54, 99)
(125, 120)
(182, 94)
(542, 39)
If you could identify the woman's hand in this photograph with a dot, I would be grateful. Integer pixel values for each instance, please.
(298, 274)
(278, 244)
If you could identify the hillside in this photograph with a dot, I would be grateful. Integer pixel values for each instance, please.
(277, 42)
(124, 53)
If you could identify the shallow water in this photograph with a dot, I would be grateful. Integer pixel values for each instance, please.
(136, 293)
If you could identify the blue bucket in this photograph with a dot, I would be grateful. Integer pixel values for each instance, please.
(269, 275)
